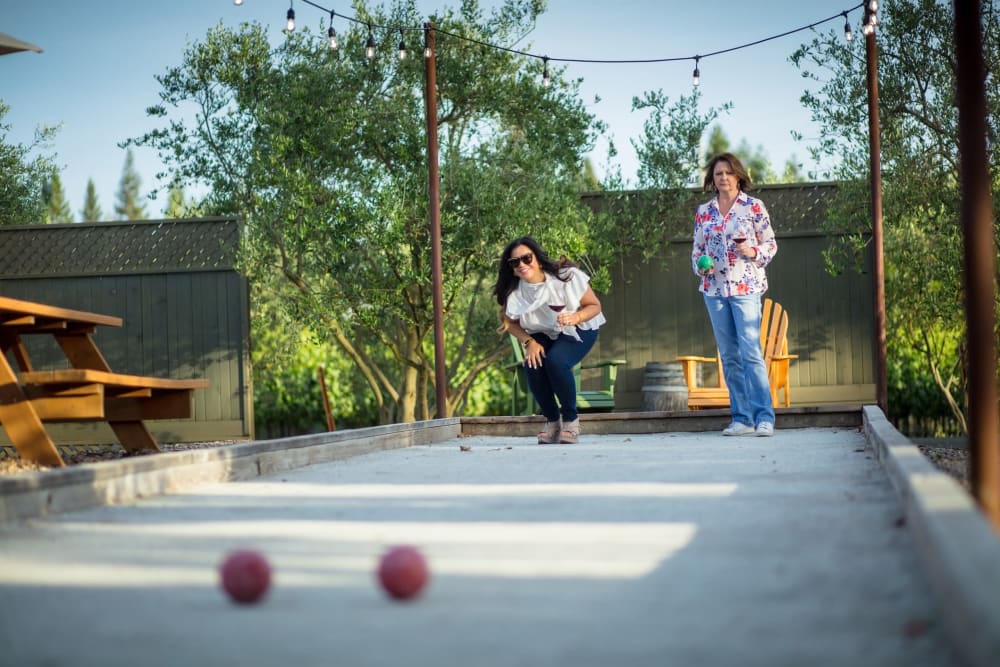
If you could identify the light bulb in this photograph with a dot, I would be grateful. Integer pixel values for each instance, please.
(237, 2)
(546, 78)
(696, 75)
(370, 47)
(427, 43)
(331, 33)
(848, 35)
(402, 45)
(290, 26)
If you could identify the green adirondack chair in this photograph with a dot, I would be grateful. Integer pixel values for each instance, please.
(601, 399)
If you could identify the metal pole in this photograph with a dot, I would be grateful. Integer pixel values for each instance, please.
(330, 425)
(979, 261)
(430, 96)
(875, 167)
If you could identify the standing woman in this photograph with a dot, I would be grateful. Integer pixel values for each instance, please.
(734, 230)
(552, 310)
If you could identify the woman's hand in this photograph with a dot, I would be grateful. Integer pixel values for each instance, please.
(569, 319)
(534, 353)
(745, 250)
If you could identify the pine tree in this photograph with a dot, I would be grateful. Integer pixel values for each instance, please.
(176, 206)
(56, 206)
(91, 208)
(128, 204)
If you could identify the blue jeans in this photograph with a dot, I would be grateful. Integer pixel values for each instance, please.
(736, 323)
(554, 378)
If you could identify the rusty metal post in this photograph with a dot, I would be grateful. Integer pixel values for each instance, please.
(979, 261)
(330, 425)
(875, 168)
(430, 97)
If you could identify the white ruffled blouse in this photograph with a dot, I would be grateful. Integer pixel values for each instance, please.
(529, 304)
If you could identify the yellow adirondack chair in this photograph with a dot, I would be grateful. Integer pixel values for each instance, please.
(774, 345)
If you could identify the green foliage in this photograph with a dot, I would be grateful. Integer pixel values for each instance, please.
(914, 389)
(23, 177)
(642, 223)
(324, 156)
(921, 198)
(128, 200)
(57, 208)
(91, 207)
(177, 204)
(754, 158)
(287, 391)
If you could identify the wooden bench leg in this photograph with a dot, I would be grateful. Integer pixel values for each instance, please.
(134, 436)
(23, 426)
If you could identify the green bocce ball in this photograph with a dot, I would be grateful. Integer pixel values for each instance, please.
(705, 263)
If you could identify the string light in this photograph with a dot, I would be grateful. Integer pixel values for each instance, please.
(370, 44)
(331, 34)
(238, 3)
(871, 18)
(868, 27)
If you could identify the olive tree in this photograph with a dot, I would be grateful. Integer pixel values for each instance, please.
(920, 177)
(323, 154)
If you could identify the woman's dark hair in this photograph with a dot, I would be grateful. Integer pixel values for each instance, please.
(738, 169)
(507, 280)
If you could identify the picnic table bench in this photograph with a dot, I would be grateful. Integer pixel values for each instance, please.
(89, 391)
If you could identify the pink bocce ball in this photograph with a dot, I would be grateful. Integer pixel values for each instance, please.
(403, 572)
(245, 576)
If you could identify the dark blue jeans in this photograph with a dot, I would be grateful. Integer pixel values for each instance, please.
(554, 379)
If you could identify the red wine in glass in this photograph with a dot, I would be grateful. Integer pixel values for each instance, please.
(556, 308)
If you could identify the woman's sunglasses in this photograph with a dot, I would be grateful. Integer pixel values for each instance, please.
(514, 262)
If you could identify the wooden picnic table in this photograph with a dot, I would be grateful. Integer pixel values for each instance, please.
(87, 391)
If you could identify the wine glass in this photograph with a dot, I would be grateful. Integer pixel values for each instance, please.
(740, 234)
(557, 307)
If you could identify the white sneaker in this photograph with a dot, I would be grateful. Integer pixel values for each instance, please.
(737, 428)
(765, 429)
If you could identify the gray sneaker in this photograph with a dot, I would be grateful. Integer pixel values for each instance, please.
(738, 428)
(765, 429)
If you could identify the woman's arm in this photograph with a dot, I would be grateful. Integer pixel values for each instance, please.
(590, 307)
(533, 350)
(514, 328)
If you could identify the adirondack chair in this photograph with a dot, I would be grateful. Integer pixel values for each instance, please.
(601, 399)
(774, 345)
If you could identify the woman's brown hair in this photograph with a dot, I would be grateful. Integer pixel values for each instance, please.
(739, 170)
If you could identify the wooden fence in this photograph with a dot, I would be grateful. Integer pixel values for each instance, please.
(184, 306)
(655, 311)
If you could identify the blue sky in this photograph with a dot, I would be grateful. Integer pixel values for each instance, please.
(95, 76)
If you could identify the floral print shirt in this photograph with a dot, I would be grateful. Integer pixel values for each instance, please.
(733, 274)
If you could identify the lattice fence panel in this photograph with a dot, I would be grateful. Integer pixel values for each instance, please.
(117, 248)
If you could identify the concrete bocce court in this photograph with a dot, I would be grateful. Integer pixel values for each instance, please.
(655, 541)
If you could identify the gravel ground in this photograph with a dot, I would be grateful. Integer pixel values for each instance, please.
(76, 454)
(951, 459)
